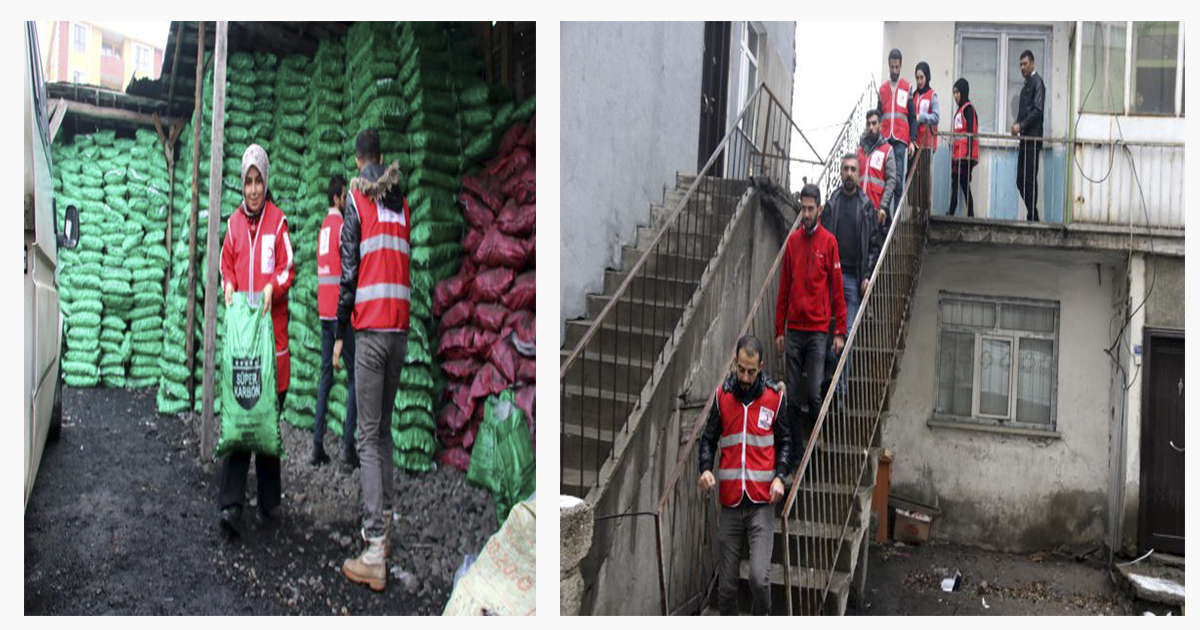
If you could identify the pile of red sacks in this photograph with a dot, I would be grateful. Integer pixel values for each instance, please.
(486, 312)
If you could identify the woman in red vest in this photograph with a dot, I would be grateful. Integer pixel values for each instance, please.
(256, 259)
(928, 118)
(966, 147)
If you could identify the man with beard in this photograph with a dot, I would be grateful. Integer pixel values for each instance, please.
(1029, 125)
(899, 121)
(850, 216)
(809, 279)
(877, 163)
(747, 429)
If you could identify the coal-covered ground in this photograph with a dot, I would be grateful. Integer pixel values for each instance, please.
(123, 520)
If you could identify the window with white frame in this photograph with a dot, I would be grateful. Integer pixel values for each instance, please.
(988, 58)
(141, 59)
(1131, 68)
(997, 360)
(79, 33)
(749, 74)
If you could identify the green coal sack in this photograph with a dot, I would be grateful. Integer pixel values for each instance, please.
(249, 418)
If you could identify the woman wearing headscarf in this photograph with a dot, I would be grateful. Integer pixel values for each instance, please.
(256, 259)
(966, 147)
(926, 102)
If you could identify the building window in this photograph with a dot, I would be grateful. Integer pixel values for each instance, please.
(1103, 67)
(989, 59)
(1155, 65)
(77, 76)
(997, 360)
(141, 58)
(750, 40)
(79, 33)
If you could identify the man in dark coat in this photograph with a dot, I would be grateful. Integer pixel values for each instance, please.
(1029, 125)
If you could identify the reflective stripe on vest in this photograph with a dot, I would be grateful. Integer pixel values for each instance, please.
(330, 279)
(894, 122)
(926, 134)
(960, 142)
(874, 179)
(381, 292)
(383, 241)
(381, 300)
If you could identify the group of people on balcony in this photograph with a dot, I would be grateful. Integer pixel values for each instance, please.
(757, 428)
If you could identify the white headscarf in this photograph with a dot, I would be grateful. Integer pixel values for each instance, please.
(255, 156)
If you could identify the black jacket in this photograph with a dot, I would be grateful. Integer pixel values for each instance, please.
(376, 183)
(1033, 104)
(712, 428)
(858, 208)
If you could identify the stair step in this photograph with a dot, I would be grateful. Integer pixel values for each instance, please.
(808, 581)
(577, 482)
(592, 407)
(651, 286)
(672, 265)
(585, 446)
(825, 495)
(614, 338)
(633, 309)
(621, 374)
(692, 237)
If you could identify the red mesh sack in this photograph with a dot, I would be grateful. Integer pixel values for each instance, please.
(530, 137)
(468, 436)
(523, 185)
(525, 400)
(502, 356)
(461, 338)
(458, 315)
(485, 189)
(461, 369)
(457, 457)
(449, 291)
(510, 139)
(475, 212)
(489, 317)
(517, 220)
(507, 168)
(526, 370)
(493, 284)
(523, 294)
(471, 240)
(523, 323)
(483, 343)
(453, 418)
(498, 249)
(488, 381)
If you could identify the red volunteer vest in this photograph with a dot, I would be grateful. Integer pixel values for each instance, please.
(747, 464)
(960, 143)
(329, 265)
(252, 256)
(926, 134)
(874, 173)
(382, 299)
(894, 123)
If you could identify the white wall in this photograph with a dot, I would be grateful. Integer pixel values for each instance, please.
(1007, 491)
(630, 94)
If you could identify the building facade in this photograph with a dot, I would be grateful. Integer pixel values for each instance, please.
(90, 54)
(1039, 400)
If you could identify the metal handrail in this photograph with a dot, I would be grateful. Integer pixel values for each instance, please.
(677, 246)
(847, 137)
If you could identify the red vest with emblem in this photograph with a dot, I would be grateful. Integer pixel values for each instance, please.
(926, 134)
(381, 301)
(874, 173)
(747, 446)
(894, 123)
(960, 142)
(329, 265)
(253, 255)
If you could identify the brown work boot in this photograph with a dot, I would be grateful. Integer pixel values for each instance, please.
(369, 567)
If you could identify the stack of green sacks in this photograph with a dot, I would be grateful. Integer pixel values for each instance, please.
(79, 276)
(322, 141)
(147, 261)
(116, 282)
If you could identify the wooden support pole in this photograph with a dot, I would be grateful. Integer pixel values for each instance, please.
(175, 66)
(168, 146)
(211, 292)
(102, 112)
(60, 111)
(189, 342)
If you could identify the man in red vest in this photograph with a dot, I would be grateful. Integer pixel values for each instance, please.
(329, 273)
(899, 125)
(878, 167)
(373, 297)
(810, 292)
(747, 429)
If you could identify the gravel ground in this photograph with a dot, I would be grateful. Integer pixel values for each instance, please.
(906, 580)
(122, 520)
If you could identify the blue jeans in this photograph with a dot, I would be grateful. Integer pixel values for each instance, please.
(900, 150)
(851, 289)
(326, 382)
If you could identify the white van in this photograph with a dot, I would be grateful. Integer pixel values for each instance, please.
(43, 320)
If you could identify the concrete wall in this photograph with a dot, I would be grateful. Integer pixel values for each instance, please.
(776, 63)
(621, 571)
(630, 119)
(1006, 491)
(1164, 307)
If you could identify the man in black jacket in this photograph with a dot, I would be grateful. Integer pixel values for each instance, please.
(850, 216)
(748, 442)
(1029, 125)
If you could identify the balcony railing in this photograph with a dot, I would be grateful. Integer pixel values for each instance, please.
(685, 518)
(1130, 184)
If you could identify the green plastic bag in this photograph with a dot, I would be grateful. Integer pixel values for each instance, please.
(502, 459)
(250, 419)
